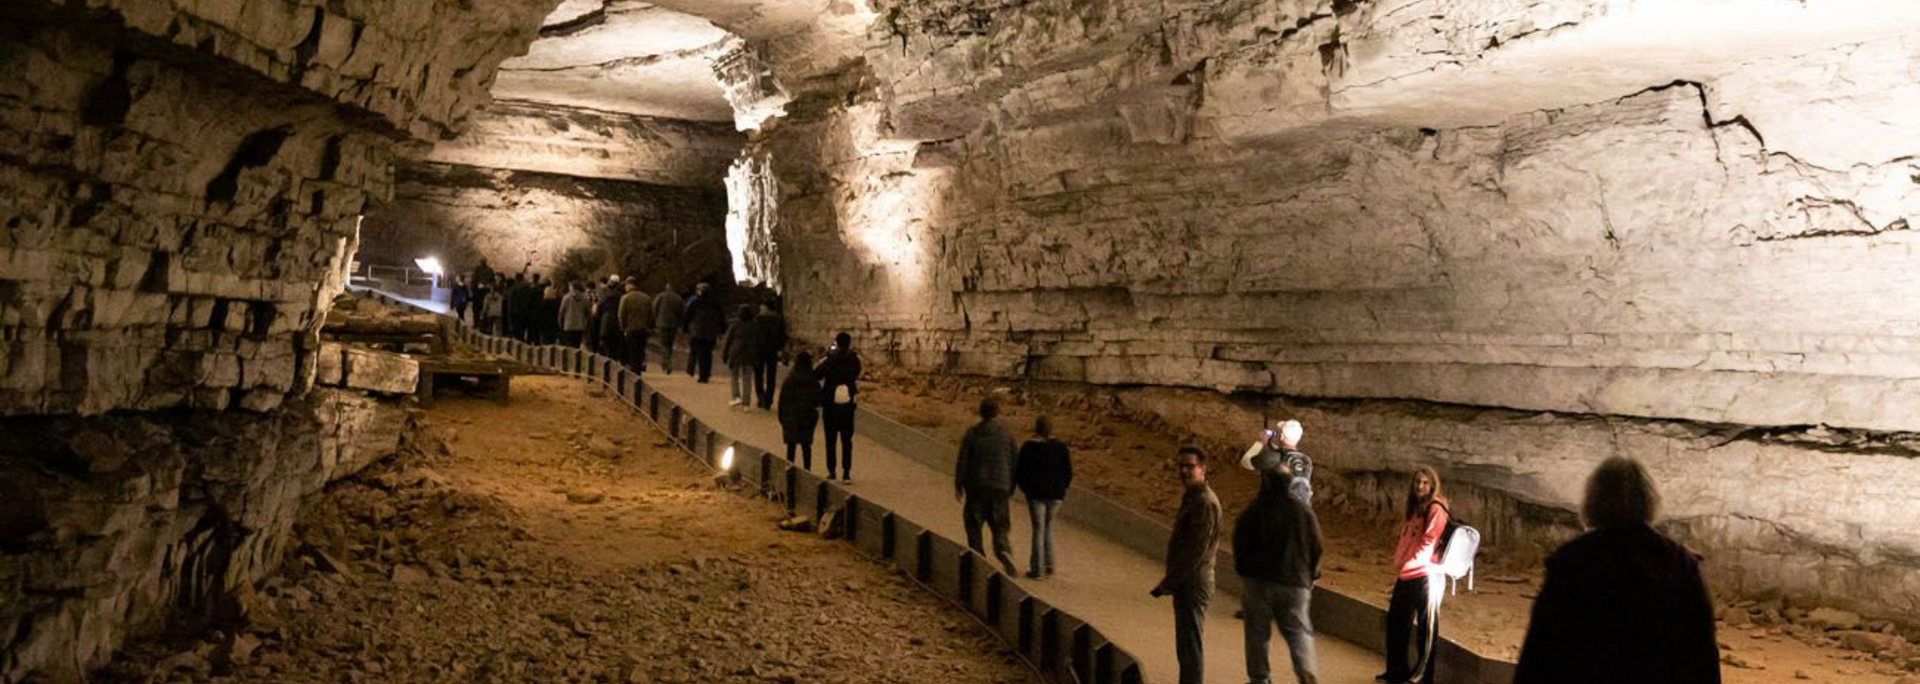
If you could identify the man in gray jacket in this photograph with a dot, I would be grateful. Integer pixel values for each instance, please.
(668, 310)
(576, 313)
(983, 482)
(636, 323)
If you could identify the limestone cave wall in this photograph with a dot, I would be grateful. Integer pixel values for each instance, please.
(563, 188)
(180, 188)
(126, 524)
(1443, 237)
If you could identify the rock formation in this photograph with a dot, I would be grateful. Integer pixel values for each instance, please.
(606, 155)
(545, 185)
(181, 188)
(1509, 239)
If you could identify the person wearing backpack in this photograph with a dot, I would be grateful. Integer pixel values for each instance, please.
(1276, 551)
(1621, 603)
(839, 375)
(1413, 612)
(1281, 445)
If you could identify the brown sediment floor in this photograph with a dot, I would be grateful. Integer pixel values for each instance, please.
(559, 539)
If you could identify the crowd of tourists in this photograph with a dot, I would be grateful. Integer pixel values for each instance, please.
(1621, 603)
(618, 319)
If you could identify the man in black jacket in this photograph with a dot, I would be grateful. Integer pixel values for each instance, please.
(769, 339)
(1276, 551)
(704, 324)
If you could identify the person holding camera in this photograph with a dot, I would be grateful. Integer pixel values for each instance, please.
(1190, 552)
(1280, 445)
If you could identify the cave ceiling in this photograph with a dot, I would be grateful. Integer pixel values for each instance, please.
(1433, 64)
(657, 58)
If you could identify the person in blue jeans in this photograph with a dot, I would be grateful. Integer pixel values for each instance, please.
(1043, 470)
(1276, 552)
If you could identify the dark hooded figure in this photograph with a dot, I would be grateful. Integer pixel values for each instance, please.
(1621, 603)
(800, 409)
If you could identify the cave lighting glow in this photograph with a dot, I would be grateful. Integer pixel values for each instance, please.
(726, 459)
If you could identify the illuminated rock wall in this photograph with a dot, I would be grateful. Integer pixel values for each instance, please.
(1509, 241)
(546, 185)
(515, 219)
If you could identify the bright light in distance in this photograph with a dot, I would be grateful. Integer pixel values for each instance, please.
(431, 265)
(726, 459)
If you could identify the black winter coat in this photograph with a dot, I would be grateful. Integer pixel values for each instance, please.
(1043, 470)
(799, 406)
(1621, 605)
(610, 318)
(704, 318)
(769, 335)
(1277, 538)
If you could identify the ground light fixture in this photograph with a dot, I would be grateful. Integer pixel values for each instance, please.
(727, 477)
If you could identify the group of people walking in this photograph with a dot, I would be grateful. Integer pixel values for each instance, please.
(988, 470)
(1622, 603)
(1622, 588)
(619, 319)
(614, 317)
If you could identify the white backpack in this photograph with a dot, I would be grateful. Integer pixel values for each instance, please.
(1458, 545)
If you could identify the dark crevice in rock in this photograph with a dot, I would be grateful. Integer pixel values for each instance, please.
(592, 18)
(255, 150)
(93, 199)
(304, 52)
(108, 103)
(1715, 435)
(330, 158)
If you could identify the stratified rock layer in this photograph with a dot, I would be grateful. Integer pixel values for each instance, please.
(169, 235)
(117, 525)
(1385, 215)
(180, 189)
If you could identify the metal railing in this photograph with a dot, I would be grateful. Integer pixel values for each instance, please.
(405, 275)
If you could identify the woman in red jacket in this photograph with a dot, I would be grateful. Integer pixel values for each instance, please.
(1413, 614)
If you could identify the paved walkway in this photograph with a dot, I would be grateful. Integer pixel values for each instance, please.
(1098, 580)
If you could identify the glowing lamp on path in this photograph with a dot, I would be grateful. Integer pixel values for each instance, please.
(429, 265)
(726, 459)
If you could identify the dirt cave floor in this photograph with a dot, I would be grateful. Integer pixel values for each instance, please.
(560, 539)
(1123, 457)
